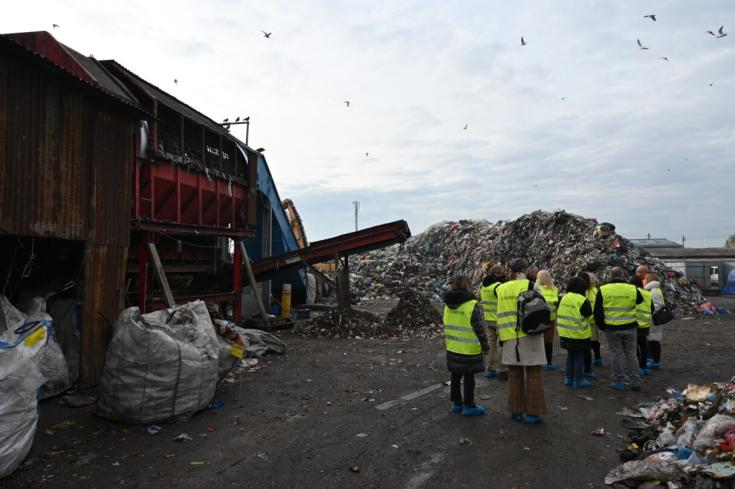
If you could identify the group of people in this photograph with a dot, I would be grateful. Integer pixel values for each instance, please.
(483, 335)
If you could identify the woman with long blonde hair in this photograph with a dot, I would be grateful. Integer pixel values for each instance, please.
(545, 286)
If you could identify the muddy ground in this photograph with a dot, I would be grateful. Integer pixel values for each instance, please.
(306, 418)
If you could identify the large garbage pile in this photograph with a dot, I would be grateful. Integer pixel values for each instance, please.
(414, 316)
(686, 440)
(560, 242)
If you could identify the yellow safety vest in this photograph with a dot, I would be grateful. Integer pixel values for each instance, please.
(508, 308)
(459, 337)
(569, 322)
(490, 302)
(618, 303)
(643, 310)
(551, 296)
(591, 295)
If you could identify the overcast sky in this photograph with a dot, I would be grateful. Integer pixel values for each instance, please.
(640, 142)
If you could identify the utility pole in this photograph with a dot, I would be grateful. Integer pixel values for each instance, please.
(683, 255)
(356, 203)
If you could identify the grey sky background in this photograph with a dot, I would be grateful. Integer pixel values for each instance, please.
(639, 142)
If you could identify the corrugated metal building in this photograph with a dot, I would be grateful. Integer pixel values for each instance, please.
(67, 146)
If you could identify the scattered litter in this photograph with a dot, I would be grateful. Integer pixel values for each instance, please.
(169, 455)
(485, 397)
(394, 446)
(355, 468)
(63, 424)
(527, 448)
(86, 459)
(153, 429)
(263, 456)
(465, 441)
(196, 462)
(211, 429)
(600, 432)
(563, 408)
(361, 435)
(216, 404)
(684, 440)
(586, 398)
(78, 401)
(182, 437)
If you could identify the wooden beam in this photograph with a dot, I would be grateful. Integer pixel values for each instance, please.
(161, 274)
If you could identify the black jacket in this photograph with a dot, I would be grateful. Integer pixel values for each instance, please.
(600, 311)
(467, 364)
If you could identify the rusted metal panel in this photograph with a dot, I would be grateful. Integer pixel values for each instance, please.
(104, 281)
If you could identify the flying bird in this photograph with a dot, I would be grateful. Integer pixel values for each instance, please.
(523, 41)
(685, 158)
(710, 33)
(367, 154)
(347, 103)
(640, 45)
(465, 126)
(664, 58)
(712, 84)
(563, 99)
(668, 169)
(267, 34)
(55, 26)
(176, 82)
(721, 32)
(651, 16)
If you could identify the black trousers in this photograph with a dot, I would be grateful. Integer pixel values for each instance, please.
(642, 350)
(596, 349)
(469, 389)
(655, 349)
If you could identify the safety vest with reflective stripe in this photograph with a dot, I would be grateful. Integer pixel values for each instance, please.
(551, 295)
(643, 310)
(569, 321)
(591, 295)
(618, 303)
(490, 302)
(508, 308)
(459, 337)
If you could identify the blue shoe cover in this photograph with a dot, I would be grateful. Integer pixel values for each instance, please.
(550, 366)
(617, 386)
(533, 419)
(475, 410)
(597, 362)
(568, 381)
(581, 384)
(491, 374)
(456, 408)
(516, 417)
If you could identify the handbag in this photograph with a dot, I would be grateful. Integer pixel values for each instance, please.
(663, 316)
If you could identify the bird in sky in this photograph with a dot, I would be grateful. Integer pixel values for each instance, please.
(176, 82)
(650, 16)
(710, 33)
(523, 41)
(563, 99)
(347, 103)
(640, 45)
(55, 26)
(721, 32)
(664, 58)
(712, 84)
(367, 154)
(668, 169)
(534, 185)
(238, 119)
(465, 126)
(685, 158)
(267, 34)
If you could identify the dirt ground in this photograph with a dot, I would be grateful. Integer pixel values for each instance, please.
(377, 406)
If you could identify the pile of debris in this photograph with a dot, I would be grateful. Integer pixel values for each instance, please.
(414, 316)
(686, 440)
(338, 323)
(562, 243)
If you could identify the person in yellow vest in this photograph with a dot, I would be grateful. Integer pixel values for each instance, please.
(545, 286)
(575, 330)
(465, 340)
(656, 336)
(615, 315)
(643, 314)
(495, 277)
(590, 279)
(523, 354)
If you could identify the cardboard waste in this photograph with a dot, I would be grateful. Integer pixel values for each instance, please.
(159, 366)
(685, 440)
(560, 242)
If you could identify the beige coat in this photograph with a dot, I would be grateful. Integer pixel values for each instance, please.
(530, 348)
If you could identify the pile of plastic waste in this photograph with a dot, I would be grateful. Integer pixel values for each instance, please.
(338, 323)
(685, 440)
(560, 242)
(414, 316)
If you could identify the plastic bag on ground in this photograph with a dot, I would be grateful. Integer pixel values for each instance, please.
(707, 438)
(159, 366)
(261, 342)
(645, 470)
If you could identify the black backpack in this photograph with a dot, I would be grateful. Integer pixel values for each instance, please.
(534, 314)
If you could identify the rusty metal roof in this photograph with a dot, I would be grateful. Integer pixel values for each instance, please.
(168, 100)
(64, 59)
